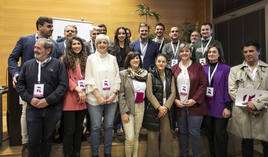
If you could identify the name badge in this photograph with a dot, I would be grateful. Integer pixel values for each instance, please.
(38, 90)
(174, 61)
(81, 85)
(202, 61)
(210, 92)
(106, 84)
(139, 97)
(184, 90)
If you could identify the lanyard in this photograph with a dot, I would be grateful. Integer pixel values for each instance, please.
(172, 46)
(210, 77)
(162, 41)
(206, 47)
(92, 47)
(39, 72)
(143, 49)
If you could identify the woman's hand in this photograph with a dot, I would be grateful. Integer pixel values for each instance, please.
(111, 99)
(162, 111)
(82, 96)
(179, 103)
(226, 113)
(189, 103)
(101, 100)
(125, 118)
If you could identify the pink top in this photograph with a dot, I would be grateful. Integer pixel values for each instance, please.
(71, 96)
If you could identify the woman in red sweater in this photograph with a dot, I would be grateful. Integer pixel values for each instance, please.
(75, 99)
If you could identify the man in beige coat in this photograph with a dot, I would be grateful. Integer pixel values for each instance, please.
(250, 122)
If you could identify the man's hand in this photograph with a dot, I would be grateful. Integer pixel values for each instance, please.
(42, 103)
(14, 80)
(250, 105)
(34, 102)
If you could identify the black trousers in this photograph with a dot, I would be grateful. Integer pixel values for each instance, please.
(217, 135)
(247, 148)
(73, 121)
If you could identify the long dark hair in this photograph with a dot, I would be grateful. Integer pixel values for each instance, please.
(70, 57)
(116, 40)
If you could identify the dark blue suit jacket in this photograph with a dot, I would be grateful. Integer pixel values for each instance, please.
(24, 49)
(151, 52)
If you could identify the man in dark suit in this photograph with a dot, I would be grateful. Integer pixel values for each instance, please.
(24, 50)
(147, 48)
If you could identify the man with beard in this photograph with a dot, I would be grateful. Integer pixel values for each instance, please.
(171, 49)
(195, 36)
(159, 32)
(42, 84)
(24, 51)
(147, 48)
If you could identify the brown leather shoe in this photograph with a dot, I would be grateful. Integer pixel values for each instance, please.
(24, 150)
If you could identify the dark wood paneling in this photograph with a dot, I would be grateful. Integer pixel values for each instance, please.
(222, 34)
(222, 7)
(234, 33)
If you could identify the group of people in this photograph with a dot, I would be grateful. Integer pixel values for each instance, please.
(159, 84)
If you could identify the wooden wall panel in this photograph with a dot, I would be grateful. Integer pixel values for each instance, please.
(18, 17)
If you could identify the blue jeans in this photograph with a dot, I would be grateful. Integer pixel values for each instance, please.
(189, 125)
(41, 124)
(96, 112)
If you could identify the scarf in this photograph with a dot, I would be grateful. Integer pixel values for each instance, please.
(140, 74)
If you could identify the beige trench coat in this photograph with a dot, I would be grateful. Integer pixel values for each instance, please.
(242, 123)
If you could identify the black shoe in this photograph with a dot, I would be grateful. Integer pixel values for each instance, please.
(95, 156)
(107, 155)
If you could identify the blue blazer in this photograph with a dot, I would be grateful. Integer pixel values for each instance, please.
(216, 105)
(151, 52)
(24, 49)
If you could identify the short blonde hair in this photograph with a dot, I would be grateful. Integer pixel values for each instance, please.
(185, 45)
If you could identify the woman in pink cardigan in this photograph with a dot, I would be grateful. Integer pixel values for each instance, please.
(75, 99)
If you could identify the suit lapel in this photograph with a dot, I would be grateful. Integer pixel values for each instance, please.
(148, 48)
